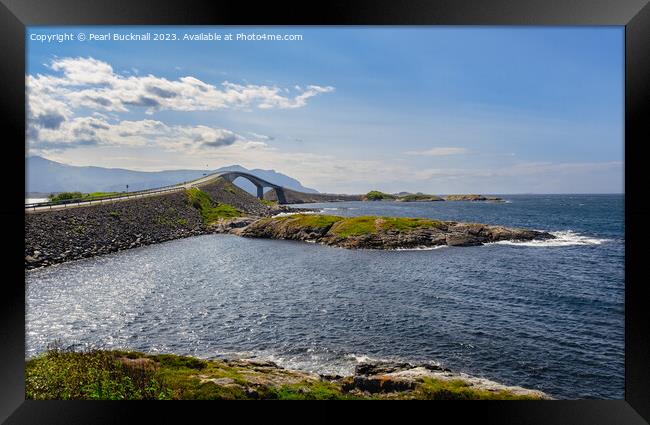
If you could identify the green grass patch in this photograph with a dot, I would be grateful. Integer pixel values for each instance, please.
(419, 197)
(312, 220)
(436, 389)
(67, 196)
(269, 203)
(355, 226)
(210, 211)
(313, 390)
(403, 224)
(91, 375)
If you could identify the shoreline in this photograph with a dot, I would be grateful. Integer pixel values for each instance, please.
(186, 377)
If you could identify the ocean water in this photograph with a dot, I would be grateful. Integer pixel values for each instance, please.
(544, 315)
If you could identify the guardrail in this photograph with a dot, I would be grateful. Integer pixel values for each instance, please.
(80, 201)
(76, 202)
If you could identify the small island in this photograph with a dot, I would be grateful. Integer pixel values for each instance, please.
(373, 232)
(375, 195)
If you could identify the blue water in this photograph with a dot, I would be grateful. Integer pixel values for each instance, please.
(544, 315)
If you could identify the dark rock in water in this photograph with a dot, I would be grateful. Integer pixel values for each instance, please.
(455, 239)
(380, 368)
(378, 384)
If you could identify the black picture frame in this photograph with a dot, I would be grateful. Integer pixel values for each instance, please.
(15, 15)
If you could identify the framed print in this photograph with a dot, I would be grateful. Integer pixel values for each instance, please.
(357, 201)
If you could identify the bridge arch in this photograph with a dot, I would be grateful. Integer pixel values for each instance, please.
(259, 183)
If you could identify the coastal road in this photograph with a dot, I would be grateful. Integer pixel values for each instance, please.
(45, 206)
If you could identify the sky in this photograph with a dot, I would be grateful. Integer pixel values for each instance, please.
(492, 110)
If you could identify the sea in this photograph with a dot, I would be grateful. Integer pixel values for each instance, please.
(546, 315)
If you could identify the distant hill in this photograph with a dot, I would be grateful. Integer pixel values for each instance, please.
(46, 176)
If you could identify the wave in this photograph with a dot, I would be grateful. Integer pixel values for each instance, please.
(420, 248)
(283, 214)
(562, 238)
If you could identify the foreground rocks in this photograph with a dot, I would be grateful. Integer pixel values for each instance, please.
(170, 376)
(371, 232)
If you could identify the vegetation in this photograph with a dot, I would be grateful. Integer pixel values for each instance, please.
(436, 389)
(122, 375)
(210, 211)
(464, 197)
(91, 375)
(67, 196)
(415, 197)
(375, 195)
(269, 203)
(313, 221)
(402, 224)
(357, 226)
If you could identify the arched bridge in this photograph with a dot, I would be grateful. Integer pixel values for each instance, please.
(230, 176)
(259, 183)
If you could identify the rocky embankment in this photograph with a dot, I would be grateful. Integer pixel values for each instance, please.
(58, 236)
(372, 232)
(169, 376)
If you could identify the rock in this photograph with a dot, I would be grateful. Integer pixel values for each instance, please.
(383, 234)
(379, 368)
(380, 384)
(462, 240)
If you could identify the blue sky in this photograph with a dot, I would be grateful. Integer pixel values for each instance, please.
(345, 109)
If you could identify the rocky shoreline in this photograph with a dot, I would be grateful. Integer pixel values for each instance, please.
(187, 378)
(370, 232)
(59, 236)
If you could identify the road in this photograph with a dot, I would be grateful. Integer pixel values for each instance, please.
(139, 194)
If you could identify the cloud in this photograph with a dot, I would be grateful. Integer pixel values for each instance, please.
(520, 169)
(440, 151)
(100, 131)
(94, 84)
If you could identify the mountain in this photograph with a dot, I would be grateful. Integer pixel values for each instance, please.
(44, 175)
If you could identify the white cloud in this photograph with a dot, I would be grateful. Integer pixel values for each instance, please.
(440, 151)
(98, 131)
(91, 83)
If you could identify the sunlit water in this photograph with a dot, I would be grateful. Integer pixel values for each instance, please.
(544, 315)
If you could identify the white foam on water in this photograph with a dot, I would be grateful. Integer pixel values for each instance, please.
(562, 238)
(283, 214)
(420, 248)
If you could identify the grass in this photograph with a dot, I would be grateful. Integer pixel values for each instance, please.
(436, 389)
(419, 197)
(469, 197)
(66, 196)
(269, 203)
(210, 211)
(129, 375)
(356, 226)
(91, 375)
(313, 221)
(403, 224)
